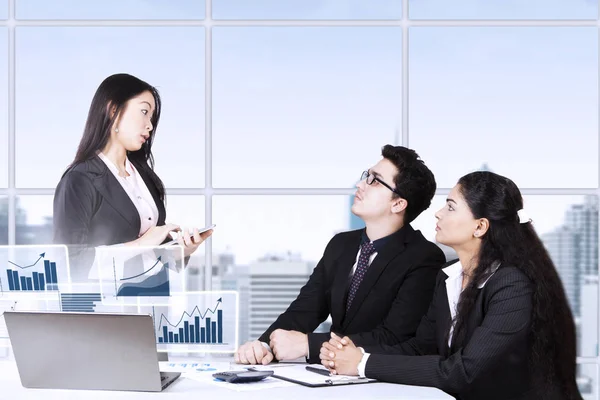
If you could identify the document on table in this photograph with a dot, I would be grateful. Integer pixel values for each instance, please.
(203, 372)
(167, 366)
(272, 367)
(300, 375)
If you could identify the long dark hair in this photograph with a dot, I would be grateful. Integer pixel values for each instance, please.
(552, 335)
(112, 95)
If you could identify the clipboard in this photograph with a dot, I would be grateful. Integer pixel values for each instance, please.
(299, 375)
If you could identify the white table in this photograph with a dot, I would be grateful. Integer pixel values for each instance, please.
(186, 388)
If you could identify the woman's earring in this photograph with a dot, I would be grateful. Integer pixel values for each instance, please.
(117, 130)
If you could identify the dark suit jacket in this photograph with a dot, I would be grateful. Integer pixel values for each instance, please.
(92, 209)
(393, 296)
(493, 363)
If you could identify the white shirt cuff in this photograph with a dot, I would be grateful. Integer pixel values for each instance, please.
(267, 346)
(362, 365)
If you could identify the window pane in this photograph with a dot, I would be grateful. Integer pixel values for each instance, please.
(110, 9)
(252, 227)
(306, 9)
(303, 95)
(4, 108)
(188, 212)
(522, 102)
(34, 219)
(51, 111)
(274, 243)
(503, 9)
(587, 381)
(568, 226)
(3, 220)
(185, 211)
(3, 9)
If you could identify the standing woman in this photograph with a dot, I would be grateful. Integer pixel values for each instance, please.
(499, 326)
(110, 193)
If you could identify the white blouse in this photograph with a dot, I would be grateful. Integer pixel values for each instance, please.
(138, 192)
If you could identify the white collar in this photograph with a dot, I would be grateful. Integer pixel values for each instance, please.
(454, 271)
(128, 166)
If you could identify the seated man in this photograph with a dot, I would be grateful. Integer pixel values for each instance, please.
(377, 282)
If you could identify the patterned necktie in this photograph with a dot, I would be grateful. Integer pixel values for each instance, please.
(366, 250)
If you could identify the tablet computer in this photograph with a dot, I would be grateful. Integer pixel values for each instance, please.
(206, 228)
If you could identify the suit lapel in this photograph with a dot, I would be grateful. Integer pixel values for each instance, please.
(379, 264)
(114, 194)
(344, 264)
(392, 249)
(445, 319)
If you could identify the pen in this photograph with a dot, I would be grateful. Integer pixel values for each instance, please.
(316, 370)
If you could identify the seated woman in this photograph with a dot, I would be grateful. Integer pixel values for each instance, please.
(499, 325)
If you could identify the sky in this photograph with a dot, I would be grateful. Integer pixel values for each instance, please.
(110, 9)
(524, 100)
(307, 9)
(298, 107)
(4, 106)
(503, 9)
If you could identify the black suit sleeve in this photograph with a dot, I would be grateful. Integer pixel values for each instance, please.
(411, 303)
(424, 341)
(74, 205)
(507, 322)
(315, 341)
(310, 307)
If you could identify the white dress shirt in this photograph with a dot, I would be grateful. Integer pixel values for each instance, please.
(453, 291)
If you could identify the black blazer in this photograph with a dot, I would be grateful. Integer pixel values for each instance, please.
(393, 296)
(91, 208)
(493, 363)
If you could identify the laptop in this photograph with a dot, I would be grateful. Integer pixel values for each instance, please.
(92, 351)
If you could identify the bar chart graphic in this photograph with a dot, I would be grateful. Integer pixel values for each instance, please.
(193, 327)
(196, 322)
(79, 302)
(33, 277)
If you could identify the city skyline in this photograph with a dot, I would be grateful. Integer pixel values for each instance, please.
(280, 219)
(347, 220)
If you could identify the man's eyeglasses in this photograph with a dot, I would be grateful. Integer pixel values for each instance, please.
(370, 178)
